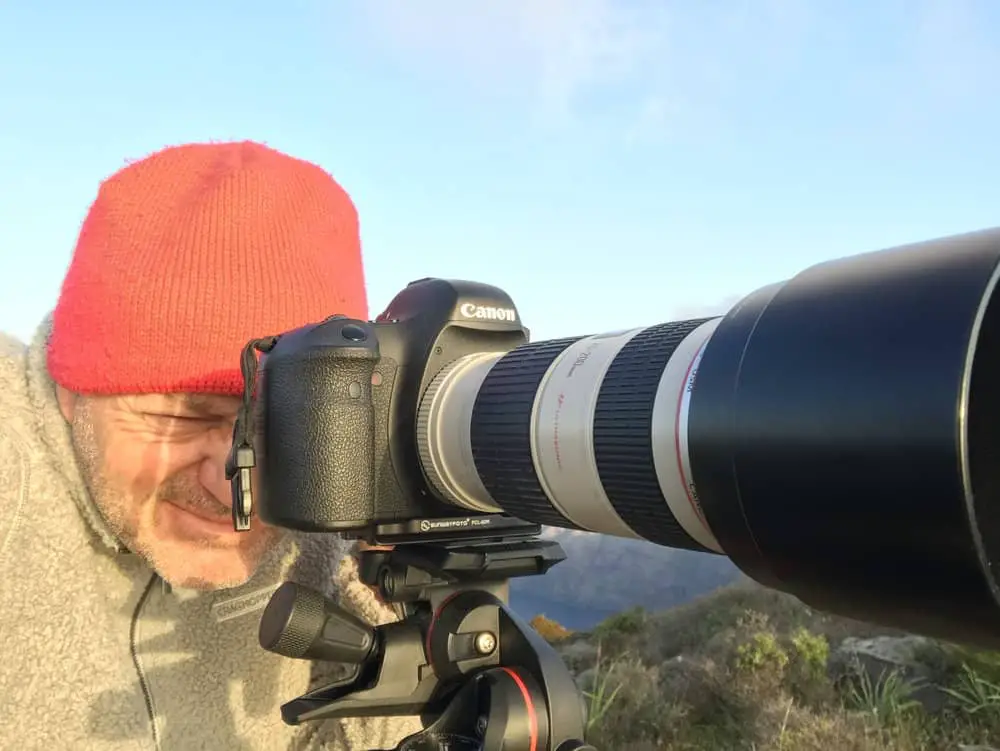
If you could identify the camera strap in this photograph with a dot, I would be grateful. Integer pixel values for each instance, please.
(242, 459)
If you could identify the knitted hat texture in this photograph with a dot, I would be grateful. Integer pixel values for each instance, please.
(187, 254)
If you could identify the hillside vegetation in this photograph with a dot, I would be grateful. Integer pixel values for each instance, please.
(750, 668)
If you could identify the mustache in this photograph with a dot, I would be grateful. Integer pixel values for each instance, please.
(188, 493)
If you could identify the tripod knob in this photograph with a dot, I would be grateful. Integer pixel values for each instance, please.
(304, 624)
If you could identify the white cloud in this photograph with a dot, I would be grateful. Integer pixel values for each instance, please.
(641, 68)
(552, 51)
(646, 66)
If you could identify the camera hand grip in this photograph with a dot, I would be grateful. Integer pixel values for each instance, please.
(319, 473)
(348, 416)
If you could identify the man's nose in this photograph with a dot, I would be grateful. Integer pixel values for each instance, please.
(212, 475)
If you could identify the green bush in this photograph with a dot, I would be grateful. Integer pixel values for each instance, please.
(630, 622)
(617, 633)
(760, 653)
(807, 674)
(748, 670)
(811, 650)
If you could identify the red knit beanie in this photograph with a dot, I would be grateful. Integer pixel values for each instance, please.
(187, 254)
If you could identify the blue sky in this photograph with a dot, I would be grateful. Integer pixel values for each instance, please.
(609, 163)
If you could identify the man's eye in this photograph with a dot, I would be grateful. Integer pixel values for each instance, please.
(181, 419)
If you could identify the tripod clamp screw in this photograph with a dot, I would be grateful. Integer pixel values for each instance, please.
(485, 642)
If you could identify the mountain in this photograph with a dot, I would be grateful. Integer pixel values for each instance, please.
(604, 575)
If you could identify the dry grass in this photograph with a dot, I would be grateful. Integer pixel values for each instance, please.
(747, 668)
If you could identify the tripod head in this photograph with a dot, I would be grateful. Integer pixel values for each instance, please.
(480, 677)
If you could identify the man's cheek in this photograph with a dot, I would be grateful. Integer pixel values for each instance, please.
(137, 466)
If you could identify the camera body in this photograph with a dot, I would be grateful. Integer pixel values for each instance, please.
(353, 466)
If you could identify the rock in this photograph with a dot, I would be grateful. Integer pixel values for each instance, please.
(892, 650)
(909, 656)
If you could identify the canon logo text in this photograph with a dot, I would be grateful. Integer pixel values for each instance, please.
(487, 313)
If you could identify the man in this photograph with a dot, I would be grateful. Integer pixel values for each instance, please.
(128, 605)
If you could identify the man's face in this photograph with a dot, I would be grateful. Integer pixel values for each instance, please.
(155, 467)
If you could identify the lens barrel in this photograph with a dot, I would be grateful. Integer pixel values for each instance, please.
(844, 442)
(836, 435)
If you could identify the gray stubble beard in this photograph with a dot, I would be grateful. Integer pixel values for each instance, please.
(114, 506)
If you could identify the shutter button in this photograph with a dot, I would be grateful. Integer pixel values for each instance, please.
(353, 332)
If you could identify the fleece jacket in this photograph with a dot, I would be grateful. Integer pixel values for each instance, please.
(97, 652)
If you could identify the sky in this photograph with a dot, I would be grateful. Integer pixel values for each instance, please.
(609, 163)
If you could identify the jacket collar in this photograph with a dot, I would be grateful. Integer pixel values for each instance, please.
(54, 432)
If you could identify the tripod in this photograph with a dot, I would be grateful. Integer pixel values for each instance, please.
(479, 676)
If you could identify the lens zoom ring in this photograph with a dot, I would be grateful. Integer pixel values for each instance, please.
(623, 434)
(501, 432)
